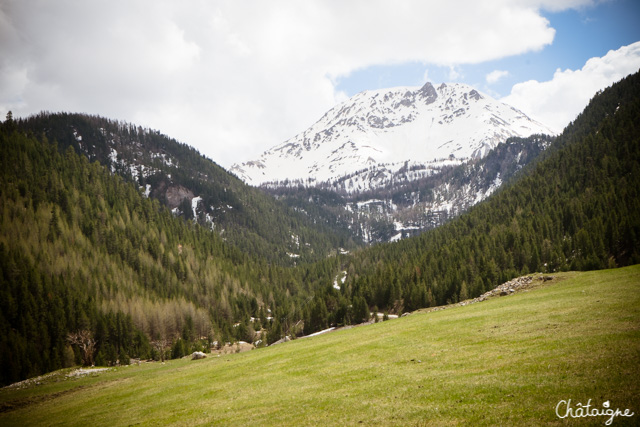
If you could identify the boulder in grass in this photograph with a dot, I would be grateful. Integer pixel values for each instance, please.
(198, 355)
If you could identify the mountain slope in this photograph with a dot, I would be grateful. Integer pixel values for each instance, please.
(412, 202)
(193, 186)
(575, 209)
(389, 128)
(82, 251)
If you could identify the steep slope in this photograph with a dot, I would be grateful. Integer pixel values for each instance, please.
(392, 129)
(193, 186)
(83, 251)
(412, 202)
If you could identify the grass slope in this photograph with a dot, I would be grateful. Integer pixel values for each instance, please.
(505, 361)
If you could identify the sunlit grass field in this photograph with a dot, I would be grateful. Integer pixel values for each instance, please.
(505, 361)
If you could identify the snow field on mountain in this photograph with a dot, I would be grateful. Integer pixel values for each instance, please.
(379, 131)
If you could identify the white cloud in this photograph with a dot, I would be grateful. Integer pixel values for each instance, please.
(558, 101)
(234, 78)
(496, 75)
(425, 76)
(454, 73)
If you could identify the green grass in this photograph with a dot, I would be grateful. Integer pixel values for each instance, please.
(506, 361)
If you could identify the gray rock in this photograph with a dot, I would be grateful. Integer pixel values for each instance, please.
(198, 355)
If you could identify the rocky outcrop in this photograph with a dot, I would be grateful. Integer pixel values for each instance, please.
(518, 284)
(196, 355)
(176, 194)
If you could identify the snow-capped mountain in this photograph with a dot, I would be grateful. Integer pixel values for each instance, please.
(416, 199)
(383, 131)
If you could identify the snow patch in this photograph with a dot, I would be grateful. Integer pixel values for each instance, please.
(194, 205)
(315, 334)
(342, 280)
(113, 156)
(396, 237)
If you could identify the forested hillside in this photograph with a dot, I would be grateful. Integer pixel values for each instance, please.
(83, 251)
(575, 210)
(193, 186)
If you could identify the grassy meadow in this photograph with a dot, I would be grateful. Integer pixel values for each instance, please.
(505, 361)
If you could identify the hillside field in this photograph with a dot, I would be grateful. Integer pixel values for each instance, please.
(505, 361)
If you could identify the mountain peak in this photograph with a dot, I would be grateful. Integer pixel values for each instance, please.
(388, 128)
(428, 92)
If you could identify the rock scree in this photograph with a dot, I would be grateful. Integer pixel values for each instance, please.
(518, 284)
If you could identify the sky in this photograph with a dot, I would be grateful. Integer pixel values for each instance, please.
(234, 78)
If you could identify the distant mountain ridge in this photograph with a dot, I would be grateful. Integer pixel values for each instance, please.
(413, 202)
(377, 133)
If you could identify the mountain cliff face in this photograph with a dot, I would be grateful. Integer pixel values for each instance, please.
(375, 134)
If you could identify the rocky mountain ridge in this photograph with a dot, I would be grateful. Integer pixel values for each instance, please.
(376, 134)
(406, 207)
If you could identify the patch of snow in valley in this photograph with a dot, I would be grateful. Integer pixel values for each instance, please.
(315, 334)
(342, 280)
(194, 205)
(113, 156)
(396, 237)
(296, 240)
(209, 220)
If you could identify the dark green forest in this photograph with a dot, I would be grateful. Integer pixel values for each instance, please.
(174, 173)
(81, 249)
(92, 271)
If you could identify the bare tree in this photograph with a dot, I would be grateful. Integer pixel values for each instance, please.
(85, 342)
(160, 346)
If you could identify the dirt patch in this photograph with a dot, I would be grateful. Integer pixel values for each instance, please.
(238, 347)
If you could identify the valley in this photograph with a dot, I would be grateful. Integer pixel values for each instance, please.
(88, 248)
(413, 203)
(509, 360)
(319, 213)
